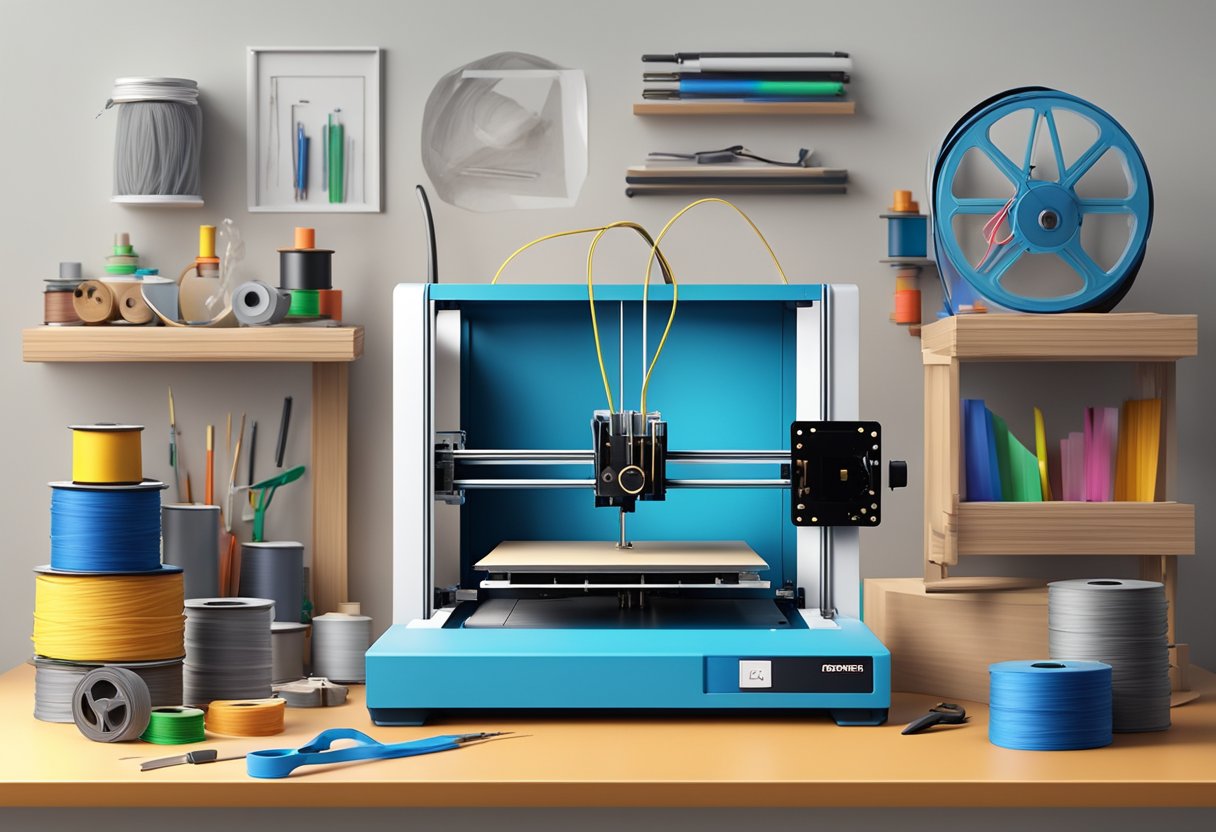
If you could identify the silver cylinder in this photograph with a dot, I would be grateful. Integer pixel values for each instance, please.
(191, 540)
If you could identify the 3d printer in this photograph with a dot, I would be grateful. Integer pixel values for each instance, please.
(621, 559)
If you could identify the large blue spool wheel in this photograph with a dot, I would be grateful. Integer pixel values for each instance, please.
(1045, 216)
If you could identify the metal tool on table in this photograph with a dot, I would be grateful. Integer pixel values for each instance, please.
(943, 713)
(280, 762)
(197, 757)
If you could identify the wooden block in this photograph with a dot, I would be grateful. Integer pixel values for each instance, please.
(1180, 667)
(162, 343)
(941, 643)
(603, 556)
(330, 395)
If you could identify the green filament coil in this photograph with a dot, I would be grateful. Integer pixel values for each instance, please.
(174, 726)
(305, 303)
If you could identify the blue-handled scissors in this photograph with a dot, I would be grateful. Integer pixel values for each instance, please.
(280, 762)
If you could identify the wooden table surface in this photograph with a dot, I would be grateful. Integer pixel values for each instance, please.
(680, 762)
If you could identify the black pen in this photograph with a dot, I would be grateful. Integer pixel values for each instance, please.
(253, 446)
(281, 448)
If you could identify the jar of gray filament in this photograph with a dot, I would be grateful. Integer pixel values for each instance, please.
(158, 142)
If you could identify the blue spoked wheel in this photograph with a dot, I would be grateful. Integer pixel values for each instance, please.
(1045, 216)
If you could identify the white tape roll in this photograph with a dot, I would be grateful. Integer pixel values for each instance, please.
(258, 304)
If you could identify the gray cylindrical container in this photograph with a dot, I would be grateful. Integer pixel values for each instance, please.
(275, 569)
(191, 535)
(287, 647)
(339, 643)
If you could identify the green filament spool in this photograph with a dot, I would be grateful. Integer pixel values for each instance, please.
(305, 303)
(174, 726)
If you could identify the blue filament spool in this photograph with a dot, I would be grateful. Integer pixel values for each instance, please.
(1050, 705)
(105, 529)
(1045, 215)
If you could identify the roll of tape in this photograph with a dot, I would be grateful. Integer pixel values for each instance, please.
(104, 454)
(111, 704)
(329, 304)
(305, 268)
(94, 302)
(59, 307)
(247, 717)
(175, 725)
(131, 304)
(258, 304)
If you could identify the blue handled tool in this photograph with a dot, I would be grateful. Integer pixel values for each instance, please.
(301, 172)
(280, 762)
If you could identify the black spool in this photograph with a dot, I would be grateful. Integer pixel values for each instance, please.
(305, 268)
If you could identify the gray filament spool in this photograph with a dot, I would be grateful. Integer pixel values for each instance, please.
(275, 570)
(191, 536)
(258, 304)
(111, 704)
(55, 684)
(339, 643)
(287, 645)
(159, 138)
(228, 653)
(1122, 623)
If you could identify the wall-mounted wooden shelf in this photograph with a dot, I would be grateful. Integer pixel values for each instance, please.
(304, 344)
(744, 108)
(1060, 528)
(330, 351)
(1132, 336)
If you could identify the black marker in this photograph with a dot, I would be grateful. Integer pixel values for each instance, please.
(283, 425)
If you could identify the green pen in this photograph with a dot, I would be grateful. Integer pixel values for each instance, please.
(337, 145)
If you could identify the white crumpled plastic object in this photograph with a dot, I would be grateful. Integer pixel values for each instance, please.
(507, 131)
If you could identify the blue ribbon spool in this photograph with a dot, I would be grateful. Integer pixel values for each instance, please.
(1050, 705)
(105, 529)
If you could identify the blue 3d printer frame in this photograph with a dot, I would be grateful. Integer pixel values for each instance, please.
(486, 374)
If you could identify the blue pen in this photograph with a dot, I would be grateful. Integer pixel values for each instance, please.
(301, 162)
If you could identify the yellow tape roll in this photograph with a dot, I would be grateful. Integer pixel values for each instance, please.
(107, 454)
(109, 618)
(246, 717)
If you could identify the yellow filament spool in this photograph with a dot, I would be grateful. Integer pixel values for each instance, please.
(107, 454)
(109, 618)
(246, 717)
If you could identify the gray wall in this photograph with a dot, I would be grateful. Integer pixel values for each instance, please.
(919, 66)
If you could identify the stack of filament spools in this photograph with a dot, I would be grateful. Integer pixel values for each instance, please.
(105, 600)
(58, 307)
(1124, 624)
(305, 271)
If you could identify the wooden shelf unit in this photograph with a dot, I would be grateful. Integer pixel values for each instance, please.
(1158, 532)
(330, 351)
(744, 108)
